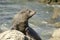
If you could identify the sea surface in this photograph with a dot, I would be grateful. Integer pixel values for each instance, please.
(38, 22)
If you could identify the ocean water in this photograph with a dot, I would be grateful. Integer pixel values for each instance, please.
(38, 22)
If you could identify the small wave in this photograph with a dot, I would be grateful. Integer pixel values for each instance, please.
(44, 22)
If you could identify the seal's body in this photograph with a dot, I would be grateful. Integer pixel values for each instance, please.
(30, 32)
(20, 21)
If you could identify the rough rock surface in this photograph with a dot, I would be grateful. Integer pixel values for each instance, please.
(14, 35)
(56, 35)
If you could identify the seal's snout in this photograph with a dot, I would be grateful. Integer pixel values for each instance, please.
(31, 13)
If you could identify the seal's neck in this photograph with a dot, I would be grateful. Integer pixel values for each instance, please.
(24, 24)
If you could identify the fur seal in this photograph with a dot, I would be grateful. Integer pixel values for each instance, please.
(20, 23)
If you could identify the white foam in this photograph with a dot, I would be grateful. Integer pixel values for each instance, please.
(44, 22)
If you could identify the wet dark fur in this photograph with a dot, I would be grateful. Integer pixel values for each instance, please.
(20, 23)
(30, 32)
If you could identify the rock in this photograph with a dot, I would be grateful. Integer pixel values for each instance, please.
(49, 1)
(56, 13)
(42, 1)
(55, 39)
(55, 16)
(14, 35)
(56, 35)
(57, 24)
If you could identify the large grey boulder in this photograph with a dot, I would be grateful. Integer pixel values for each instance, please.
(14, 35)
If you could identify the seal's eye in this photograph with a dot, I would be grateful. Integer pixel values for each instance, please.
(29, 11)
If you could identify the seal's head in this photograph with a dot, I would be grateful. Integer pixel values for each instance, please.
(27, 13)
